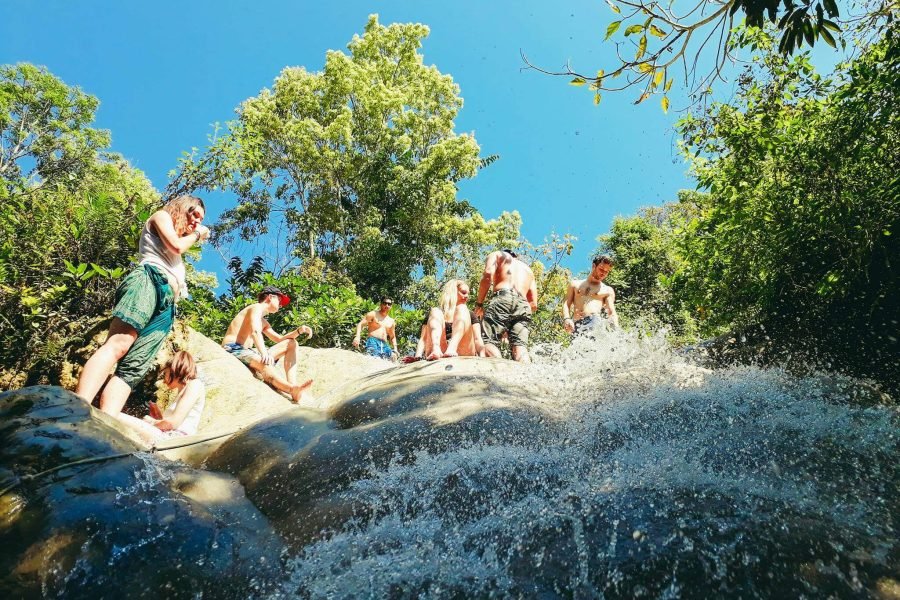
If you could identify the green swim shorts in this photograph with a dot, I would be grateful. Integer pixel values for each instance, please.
(507, 311)
(145, 301)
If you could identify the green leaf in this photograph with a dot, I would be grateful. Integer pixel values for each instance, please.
(665, 104)
(577, 81)
(669, 84)
(831, 25)
(614, 8)
(611, 29)
(654, 30)
(657, 79)
(100, 270)
(642, 48)
(633, 29)
(829, 39)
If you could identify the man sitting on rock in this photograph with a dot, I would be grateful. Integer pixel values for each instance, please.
(244, 339)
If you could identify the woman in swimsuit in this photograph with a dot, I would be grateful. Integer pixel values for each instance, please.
(447, 330)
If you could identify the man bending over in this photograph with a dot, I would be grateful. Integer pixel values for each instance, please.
(510, 310)
(244, 339)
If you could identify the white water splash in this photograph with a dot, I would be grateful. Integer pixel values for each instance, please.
(664, 475)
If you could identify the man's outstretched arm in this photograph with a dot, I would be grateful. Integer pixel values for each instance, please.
(611, 308)
(359, 325)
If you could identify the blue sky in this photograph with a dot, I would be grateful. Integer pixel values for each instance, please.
(165, 71)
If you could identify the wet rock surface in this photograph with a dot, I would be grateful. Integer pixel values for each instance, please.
(123, 527)
(297, 468)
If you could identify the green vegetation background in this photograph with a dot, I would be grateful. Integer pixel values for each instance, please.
(788, 246)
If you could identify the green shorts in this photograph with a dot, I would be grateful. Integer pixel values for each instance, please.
(507, 311)
(145, 301)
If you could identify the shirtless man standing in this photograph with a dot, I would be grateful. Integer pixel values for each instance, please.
(381, 329)
(588, 297)
(510, 309)
(244, 339)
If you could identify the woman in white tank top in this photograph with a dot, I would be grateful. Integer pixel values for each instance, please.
(144, 311)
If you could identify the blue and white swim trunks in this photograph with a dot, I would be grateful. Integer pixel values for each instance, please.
(378, 348)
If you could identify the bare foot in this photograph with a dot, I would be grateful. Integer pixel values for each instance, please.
(302, 392)
(436, 354)
(450, 353)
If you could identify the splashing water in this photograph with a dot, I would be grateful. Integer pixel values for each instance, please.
(656, 478)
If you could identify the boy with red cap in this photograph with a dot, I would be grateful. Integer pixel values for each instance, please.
(244, 339)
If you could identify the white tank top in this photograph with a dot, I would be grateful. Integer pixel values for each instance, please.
(191, 422)
(154, 252)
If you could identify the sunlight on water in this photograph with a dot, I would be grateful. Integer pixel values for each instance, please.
(661, 479)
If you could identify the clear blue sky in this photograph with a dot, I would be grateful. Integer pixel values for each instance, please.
(165, 71)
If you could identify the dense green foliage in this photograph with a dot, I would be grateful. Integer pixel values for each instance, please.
(356, 164)
(69, 217)
(647, 260)
(797, 234)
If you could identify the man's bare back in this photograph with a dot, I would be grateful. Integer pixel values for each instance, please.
(510, 272)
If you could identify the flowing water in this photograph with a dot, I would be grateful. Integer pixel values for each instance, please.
(654, 478)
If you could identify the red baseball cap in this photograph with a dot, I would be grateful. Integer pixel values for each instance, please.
(270, 290)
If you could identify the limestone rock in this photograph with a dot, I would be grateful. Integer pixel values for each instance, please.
(127, 525)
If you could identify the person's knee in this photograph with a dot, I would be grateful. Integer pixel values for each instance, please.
(119, 344)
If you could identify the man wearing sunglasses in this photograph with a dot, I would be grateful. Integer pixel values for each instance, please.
(380, 327)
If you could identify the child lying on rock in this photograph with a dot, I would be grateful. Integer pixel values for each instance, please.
(182, 416)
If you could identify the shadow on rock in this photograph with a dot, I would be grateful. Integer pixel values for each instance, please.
(129, 526)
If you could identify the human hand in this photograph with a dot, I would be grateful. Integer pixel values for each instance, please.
(154, 410)
(479, 312)
(569, 325)
(164, 425)
(305, 329)
(356, 342)
(202, 232)
(266, 358)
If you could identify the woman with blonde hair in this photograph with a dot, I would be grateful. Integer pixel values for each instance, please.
(182, 415)
(145, 304)
(447, 330)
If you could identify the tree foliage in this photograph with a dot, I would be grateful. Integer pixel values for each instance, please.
(69, 220)
(657, 43)
(647, 260)
(797, 232)
(359, 162)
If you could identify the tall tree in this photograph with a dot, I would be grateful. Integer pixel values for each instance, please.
(359, 162)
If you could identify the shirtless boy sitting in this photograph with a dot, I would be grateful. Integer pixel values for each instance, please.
(381, 329)
(244, 339)
(588, 298)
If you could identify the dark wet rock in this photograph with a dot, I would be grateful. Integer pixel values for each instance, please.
(132, 526)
